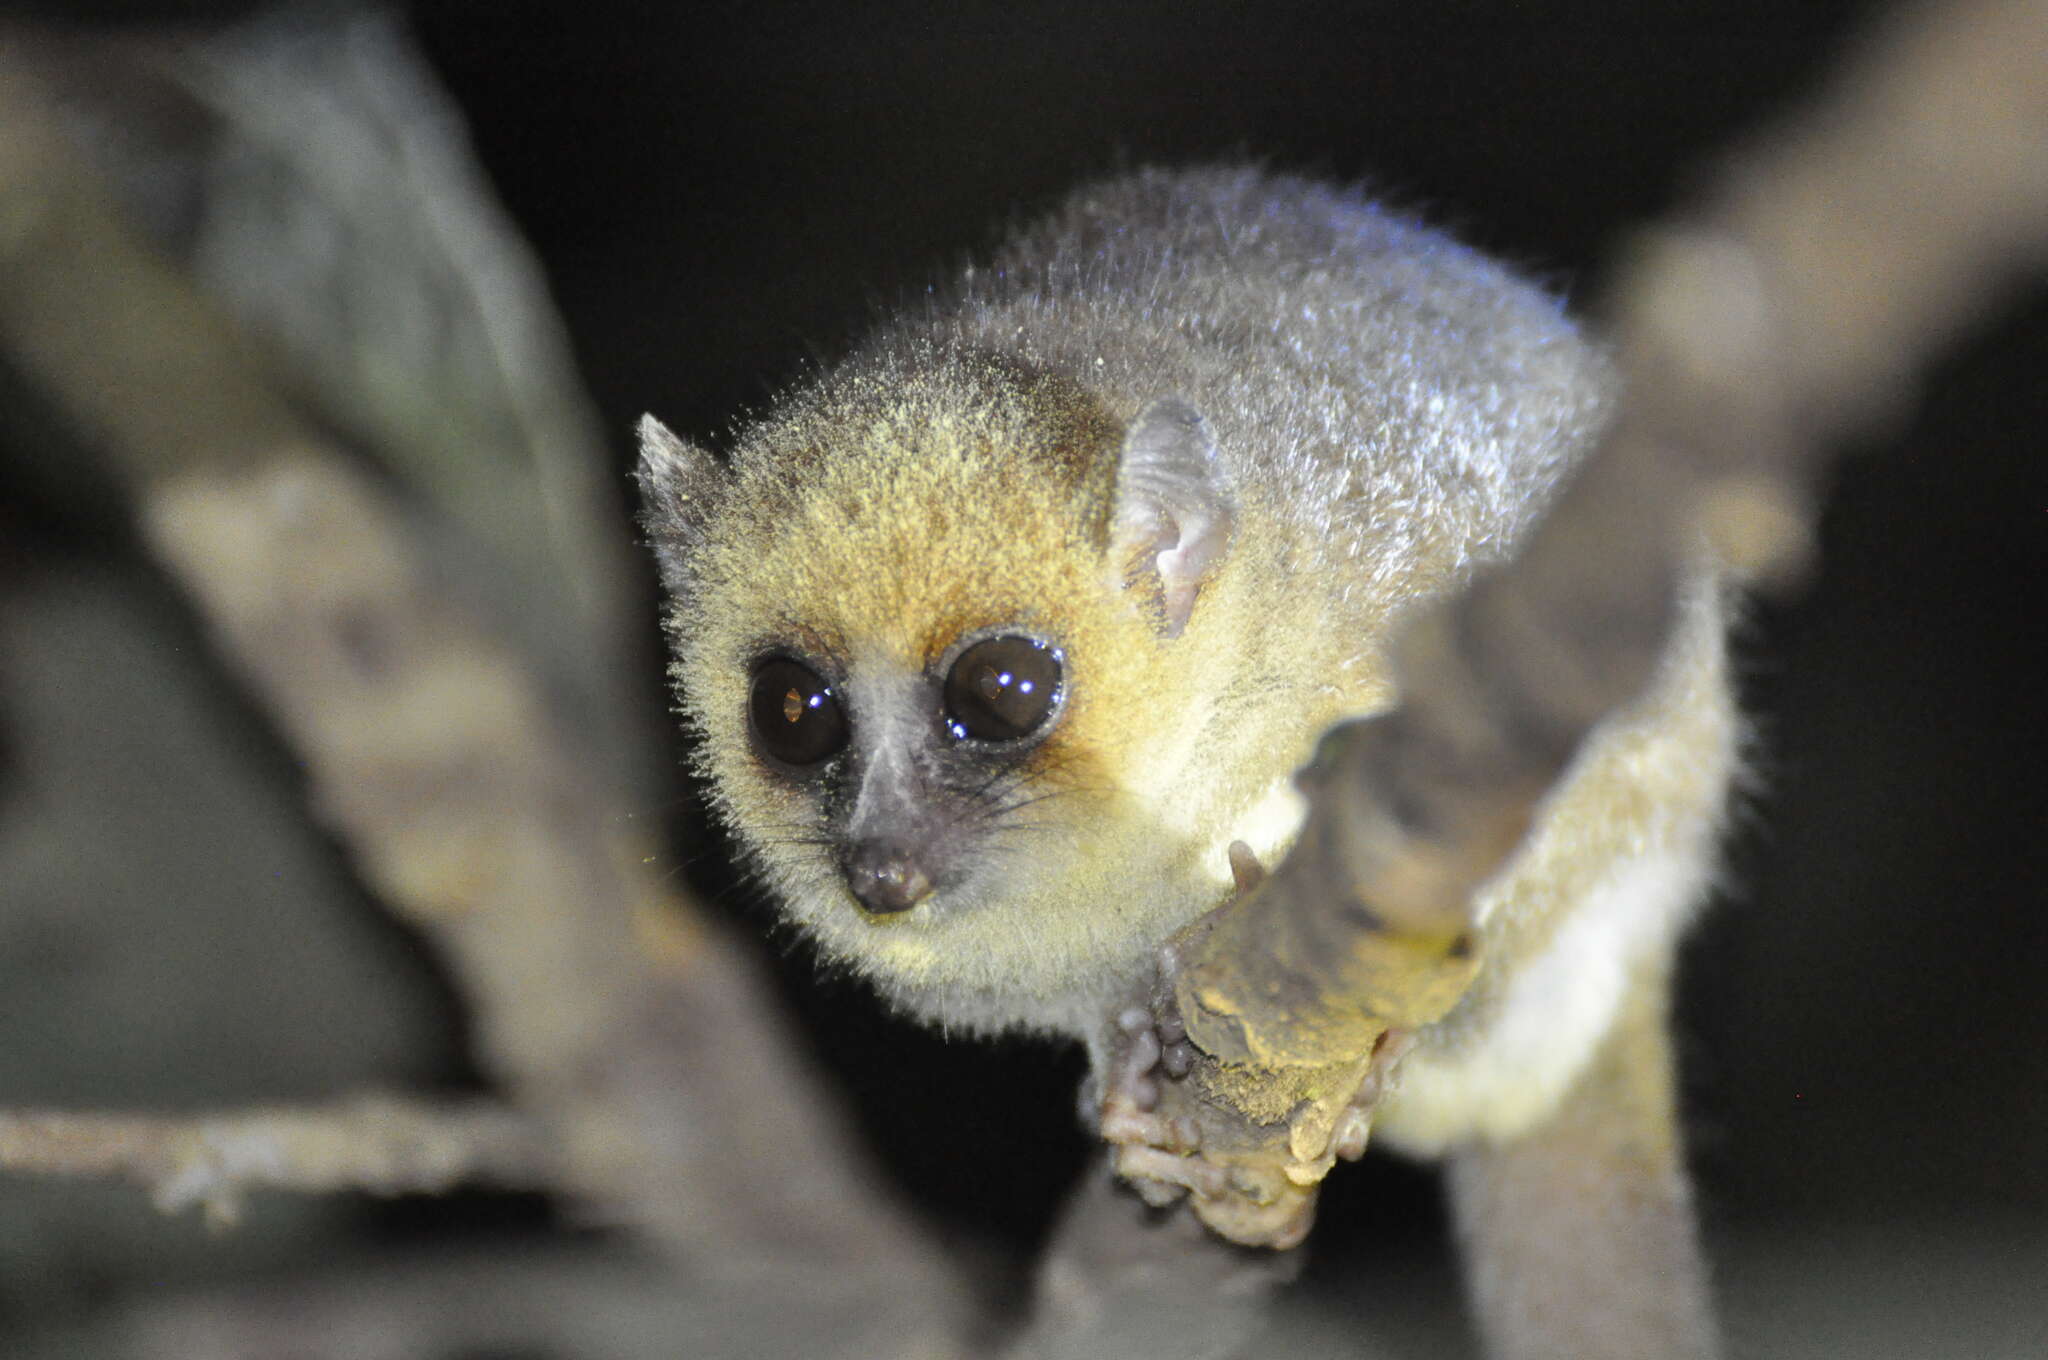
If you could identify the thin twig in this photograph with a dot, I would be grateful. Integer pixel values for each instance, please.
(379, 1144)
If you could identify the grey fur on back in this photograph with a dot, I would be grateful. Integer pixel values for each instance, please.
(1394, 392)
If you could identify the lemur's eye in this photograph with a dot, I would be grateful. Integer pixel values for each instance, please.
(796, 717)
(1002, 689)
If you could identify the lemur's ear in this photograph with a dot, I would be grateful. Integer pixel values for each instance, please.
(1173, 512)
(679, 483)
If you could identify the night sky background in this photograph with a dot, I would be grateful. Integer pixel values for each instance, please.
(722, 193)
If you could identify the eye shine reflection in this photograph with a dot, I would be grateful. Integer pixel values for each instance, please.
(795, 717)
(1002, 689)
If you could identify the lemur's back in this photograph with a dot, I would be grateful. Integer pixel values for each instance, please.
(1406, 400)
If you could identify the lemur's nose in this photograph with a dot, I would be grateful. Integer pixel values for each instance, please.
(885, 876)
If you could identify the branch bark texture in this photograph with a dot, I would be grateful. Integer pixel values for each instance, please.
(382, 1145)
(1788, 308)
(638, 1043)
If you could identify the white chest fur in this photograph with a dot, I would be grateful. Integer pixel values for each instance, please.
(1548, 1019)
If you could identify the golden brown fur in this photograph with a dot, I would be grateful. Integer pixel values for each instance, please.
(1340, 414)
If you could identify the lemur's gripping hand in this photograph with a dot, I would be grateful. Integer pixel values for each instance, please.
(1247, 1146)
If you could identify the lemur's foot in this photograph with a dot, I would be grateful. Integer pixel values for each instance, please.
(1147, 1049)
(1152, 1123)
(1150, 1045)
(1250, 1146)
(1154, 1146)
(1154, 1119)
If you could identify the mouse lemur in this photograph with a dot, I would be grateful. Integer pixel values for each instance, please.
(997, 634)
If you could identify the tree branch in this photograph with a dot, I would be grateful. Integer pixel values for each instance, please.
(589, 1300)
(1784, 311)
(642, 1045)
(378, 1144)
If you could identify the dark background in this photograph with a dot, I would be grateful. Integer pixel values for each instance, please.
(722, 193)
